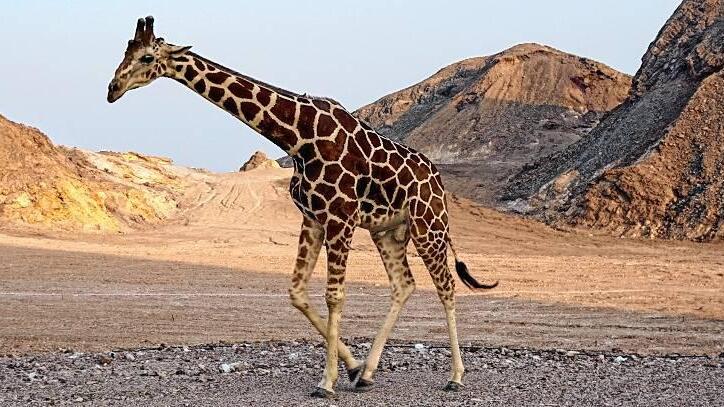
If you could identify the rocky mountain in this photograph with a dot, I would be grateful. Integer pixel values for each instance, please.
(654, 167)
(483, 118)
(55, 187)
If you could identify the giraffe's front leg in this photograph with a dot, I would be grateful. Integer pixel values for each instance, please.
(311, 238)
(338, 240)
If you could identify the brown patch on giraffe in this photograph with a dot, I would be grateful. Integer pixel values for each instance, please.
(395, 160)
(421, 173)
(285, 110)
(200, 86)
(313, 169)
(307, 152)
(437, 205)
(264, 96)
(325, 190)
(352, 147)
(305, 123)
(374, 139)
(303, 100)
(382, 172)
(333, 229)
(216, 93)
(301, 264)
(199, 64)
(231, 106)
(344, 205)
(218, 77)
(379, 156)
(366, 207)
(317, 203)
(303, 251)
(347, 186)
(364, 144)
(325, 125)
(190, 73)
(332, 256)
(322, 105)
(354, 164)
(405, 176)
(178, 68)
(244, 83)
(239, 91)
(181, 59)
(387, 144)
(281, 136)
(332, 172)
(425, 191)
(390, 187)
(399, 199)
(345, 119)
(249, 109)
(328, 150)
(436, 185)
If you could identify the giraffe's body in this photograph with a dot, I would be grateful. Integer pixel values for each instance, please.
(345, 176)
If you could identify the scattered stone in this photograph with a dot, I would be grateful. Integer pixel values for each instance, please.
(619, 359)
(104, 359)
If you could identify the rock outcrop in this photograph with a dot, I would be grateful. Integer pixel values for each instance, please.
(484, 118)
(259, 160)
(55, 187)
(653, 167)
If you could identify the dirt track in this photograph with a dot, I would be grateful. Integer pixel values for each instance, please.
(221, 270)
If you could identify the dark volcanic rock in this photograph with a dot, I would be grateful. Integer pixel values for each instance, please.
(654, 166)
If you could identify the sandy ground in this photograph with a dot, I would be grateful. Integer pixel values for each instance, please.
(220, 272)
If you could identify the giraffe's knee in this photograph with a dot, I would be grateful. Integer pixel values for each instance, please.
(299, 298)
(334, 296)
(403, 290)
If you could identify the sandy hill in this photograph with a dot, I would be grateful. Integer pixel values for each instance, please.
(55, 187)
(486, 117)
(654, 167)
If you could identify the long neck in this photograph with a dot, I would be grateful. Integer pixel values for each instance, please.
(270, 111)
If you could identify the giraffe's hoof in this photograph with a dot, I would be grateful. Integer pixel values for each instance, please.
(453, 386)
(353, 374)
(363, 385)
(321, 393)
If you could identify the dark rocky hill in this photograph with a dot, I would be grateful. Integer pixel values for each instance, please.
(654, 167)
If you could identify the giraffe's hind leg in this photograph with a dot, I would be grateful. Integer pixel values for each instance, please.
(430, 238)
(392, 245)
(310, 243)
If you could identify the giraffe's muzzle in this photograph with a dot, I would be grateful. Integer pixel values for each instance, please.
(114, 91)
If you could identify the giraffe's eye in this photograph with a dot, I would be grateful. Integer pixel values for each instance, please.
(147, 59)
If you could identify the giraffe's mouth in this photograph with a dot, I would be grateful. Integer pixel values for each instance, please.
(114, 91)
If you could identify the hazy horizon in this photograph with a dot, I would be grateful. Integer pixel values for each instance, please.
(58, 59)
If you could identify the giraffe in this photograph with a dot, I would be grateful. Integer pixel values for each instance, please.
(345, 176)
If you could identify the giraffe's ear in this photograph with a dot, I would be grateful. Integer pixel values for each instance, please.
(178, 49)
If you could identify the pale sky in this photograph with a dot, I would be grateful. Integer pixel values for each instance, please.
(57, 58)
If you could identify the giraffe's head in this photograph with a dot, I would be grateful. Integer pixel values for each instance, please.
(146, 59)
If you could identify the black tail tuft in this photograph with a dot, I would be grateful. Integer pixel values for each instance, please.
(468, 280)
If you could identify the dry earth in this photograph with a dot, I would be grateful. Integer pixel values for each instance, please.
(220, 269)
(226, 261)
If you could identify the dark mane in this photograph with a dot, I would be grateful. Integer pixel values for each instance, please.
(281, 91)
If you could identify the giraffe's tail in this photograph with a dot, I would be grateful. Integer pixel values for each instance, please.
(464, 273)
